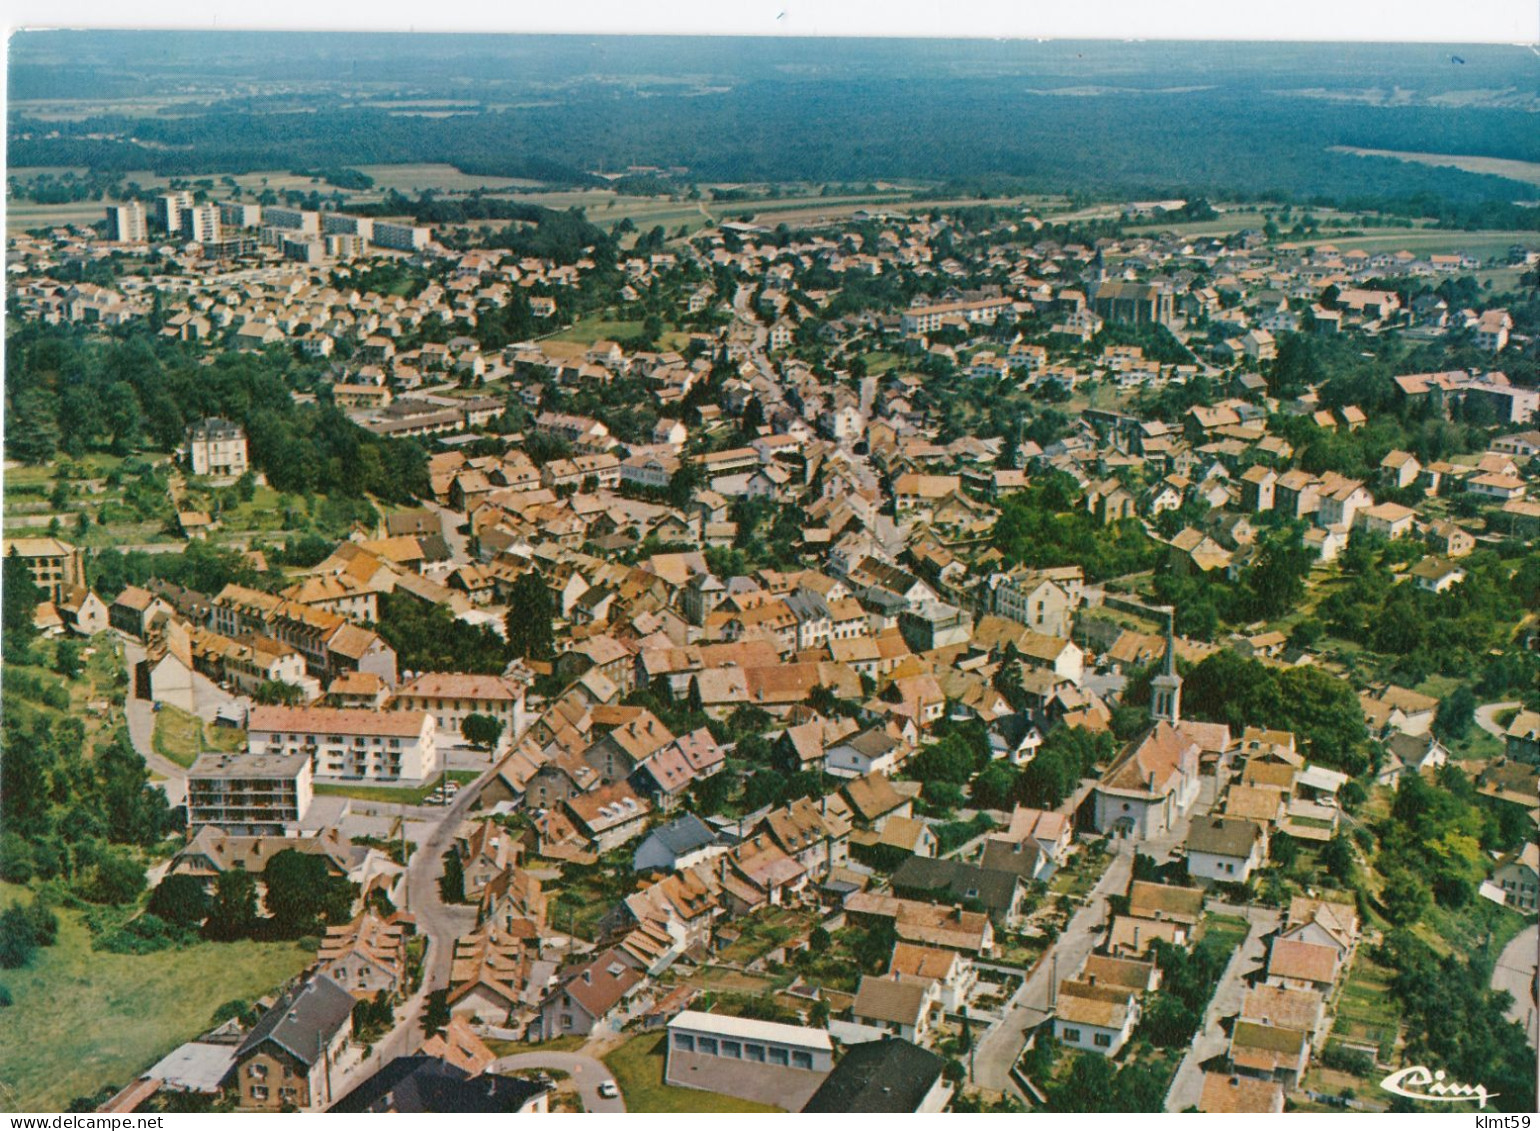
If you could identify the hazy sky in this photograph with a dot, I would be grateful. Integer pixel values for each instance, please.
(1493, 21)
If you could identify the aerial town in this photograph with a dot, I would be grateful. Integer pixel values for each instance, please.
(1008, 656)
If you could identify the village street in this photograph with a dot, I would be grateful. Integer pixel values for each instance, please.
(1212, 1040)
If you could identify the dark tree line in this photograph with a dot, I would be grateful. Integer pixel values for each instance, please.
(67, 392)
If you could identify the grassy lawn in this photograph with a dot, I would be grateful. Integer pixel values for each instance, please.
(589, 331)
(182, 737)
(1081, 874)
(762, 932)
(393, 794)
(1465, 930)
(1366, 1012)
(1229, 930)
(84, 1019)
(638, 1069)
(569, 1043)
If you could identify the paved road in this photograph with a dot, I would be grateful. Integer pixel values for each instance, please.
(586, 1072)
(1002, 1045)
(1486, 717)
(1212, 1041)
(1516, 972)
(999, 1049)
(439, 923)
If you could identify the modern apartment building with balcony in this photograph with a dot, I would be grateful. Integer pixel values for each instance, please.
(249, 794)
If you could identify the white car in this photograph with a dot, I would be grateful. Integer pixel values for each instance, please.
(609, 1091)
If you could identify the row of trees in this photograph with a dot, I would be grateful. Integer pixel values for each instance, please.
(301, 895)
(69, 392)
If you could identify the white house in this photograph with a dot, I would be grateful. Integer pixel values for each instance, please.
(1225, 849)
(871, 751)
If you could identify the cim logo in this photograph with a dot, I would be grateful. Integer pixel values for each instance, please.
(1433, 1088)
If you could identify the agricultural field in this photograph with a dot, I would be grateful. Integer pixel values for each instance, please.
(1527, 171)
(83, 1018)
(1367, 1013)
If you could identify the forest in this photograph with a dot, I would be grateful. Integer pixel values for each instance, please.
(67, 392)
(1186, 121)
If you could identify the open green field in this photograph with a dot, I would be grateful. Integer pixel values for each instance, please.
(638, 1069)
(413, 179)
(83, 1019)
(589, 331)
(390, 794)
(182, 737)
(1527, 171)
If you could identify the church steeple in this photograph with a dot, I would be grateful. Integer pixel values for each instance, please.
(1166, 688)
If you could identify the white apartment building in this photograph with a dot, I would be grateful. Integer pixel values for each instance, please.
(292, 219)
(341, 224)
(200, 223)
(349, 744)
(126, 223)
(238, 214)
(169, 207)
(400, 237)
(249, 794)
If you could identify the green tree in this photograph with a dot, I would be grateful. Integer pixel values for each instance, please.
(1337, 858)
(32, 428)
(116, 878)
(1456, 713)
(66, 658)
(19, 599)
(233, 912)
(530, 613)
(481, 731)
(435, 1013)
(180, 901)
(1405, 898)
(451, 885)
(302, 892)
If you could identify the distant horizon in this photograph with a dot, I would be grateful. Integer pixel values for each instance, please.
(1495, 22)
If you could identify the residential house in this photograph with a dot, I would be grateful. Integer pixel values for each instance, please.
(289, 1058)
(1518, 876)
(898, 1004)
(1225, 849)
(590, 995)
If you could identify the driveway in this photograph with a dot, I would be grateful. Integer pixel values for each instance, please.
(1486, 716)
(1212, 1041)
(1516, 973)
(586, 1072)
(999, 1048)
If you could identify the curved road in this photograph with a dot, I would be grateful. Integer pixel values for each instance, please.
(1516, 972)
(1486, 720)
(586, 1072)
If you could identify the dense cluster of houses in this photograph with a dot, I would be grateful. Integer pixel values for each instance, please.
(901, 617)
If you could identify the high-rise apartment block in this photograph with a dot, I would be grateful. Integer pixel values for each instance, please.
(200, 223)
(292, 219)
(169, 208)
(237, 214)
(400, 237)
(126, 223)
